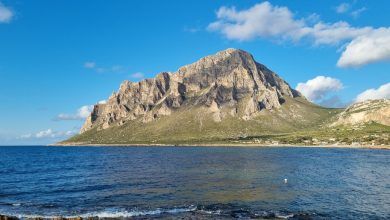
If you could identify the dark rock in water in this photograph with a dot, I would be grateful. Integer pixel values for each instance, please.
(302, 216)
(4, 217)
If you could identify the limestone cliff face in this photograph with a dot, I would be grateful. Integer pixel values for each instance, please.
(362, 112)
(229, 81)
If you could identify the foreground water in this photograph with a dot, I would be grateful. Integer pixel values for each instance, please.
(195, 182)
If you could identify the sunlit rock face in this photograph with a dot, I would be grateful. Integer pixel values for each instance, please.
(367, 111)
(229, 81)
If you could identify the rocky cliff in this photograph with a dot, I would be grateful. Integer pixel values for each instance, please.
(228, 84)
(363, 112)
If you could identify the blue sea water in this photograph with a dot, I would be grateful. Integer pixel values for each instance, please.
(195, 182)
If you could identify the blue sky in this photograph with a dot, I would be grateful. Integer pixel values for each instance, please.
(59, 57)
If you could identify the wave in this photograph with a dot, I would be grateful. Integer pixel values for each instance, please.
(205, 211)
(109, 213)
(135, 213)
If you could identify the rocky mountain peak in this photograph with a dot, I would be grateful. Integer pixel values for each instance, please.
(229, 83)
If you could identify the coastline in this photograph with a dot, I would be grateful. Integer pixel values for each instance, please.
(353, 146)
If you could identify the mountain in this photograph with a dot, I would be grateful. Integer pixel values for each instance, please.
(223, 98)
(228, 83)
(377, 111)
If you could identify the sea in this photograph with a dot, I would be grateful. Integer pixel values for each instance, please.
(195, 182)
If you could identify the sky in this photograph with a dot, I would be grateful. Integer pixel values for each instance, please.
(58, 58)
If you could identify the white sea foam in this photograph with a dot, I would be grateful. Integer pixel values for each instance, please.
(211, 212)
(134, 213)
(285, 216)
(117, 213)
(122, 213)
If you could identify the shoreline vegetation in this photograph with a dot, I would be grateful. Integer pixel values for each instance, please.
(261, 132)
(370, 135)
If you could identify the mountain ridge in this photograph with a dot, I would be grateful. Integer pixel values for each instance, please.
(215, 81)
(226, 98)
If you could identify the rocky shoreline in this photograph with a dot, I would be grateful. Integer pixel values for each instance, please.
(9, 217)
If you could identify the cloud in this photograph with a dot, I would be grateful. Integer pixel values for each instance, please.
(49, 133)
(255, 22)
(25, 136)
(345, 8)
(313, 18)
(319, 88)
(335, 33)
(117, 68)
(113, 69)
(102, 102)
(90, 65)
(6, 14)
(192, 29)
(137, 75)
(266, 21)
(46, 133)
(356, 13)
(369, 48)
(81, 114)
(342, 8)
(383, 92)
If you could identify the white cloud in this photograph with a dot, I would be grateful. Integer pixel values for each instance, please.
(347, 8)
(356, 13)
(25, 136)
(49, 133)
(313, 18)
(90, 65)
(335, 33)
(117, 69)
(261, 20)
(192, 29)
(113, 69)
(45, 133)
(102, 102)
(319, 88)
(369, 48)
(6, 14)
(266, 21)
(342, 8)
(82, 113)
(137, 75)
(255, 22)
(383, 92)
